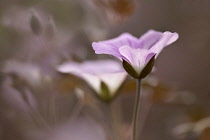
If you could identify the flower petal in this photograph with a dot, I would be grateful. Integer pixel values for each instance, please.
(93, 81)
(136, 57)
(113, 80)
(94, 72)
(76, 70)
(112, 46)
(166, 39)
(101, 66)
(147, 40)
(70, 67)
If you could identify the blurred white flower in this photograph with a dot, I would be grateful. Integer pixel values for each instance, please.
(26, 71)
(192, 127)
(104, 76)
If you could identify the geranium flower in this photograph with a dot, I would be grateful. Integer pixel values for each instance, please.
(104, 76)
(136, 53)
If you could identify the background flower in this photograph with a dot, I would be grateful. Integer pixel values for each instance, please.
(96, 74)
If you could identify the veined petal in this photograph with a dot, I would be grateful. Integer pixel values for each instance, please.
(112, 46)
(101, 48)
(113, 80)
(138, 58)
(166, 39)
(148, 39)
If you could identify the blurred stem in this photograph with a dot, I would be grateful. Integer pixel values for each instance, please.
(77, 110)
(146, 110)
(136, 109)
(35, 114)
(109, 119)
(38, 118)
(117, 119)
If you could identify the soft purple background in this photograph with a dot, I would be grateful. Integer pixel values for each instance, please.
(28, 61)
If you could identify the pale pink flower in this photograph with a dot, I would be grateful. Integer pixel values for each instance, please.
(136, 51)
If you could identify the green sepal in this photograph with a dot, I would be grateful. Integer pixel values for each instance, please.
(129, 69)
(148, 68)
(105, 93)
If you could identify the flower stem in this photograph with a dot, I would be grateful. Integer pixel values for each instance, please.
(136, 109)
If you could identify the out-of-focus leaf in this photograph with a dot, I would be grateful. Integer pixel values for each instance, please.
(196, 113)
(122, 7)
(67, 83)
(129, 87)
(205, 135)
(160, 93)
(117, 10)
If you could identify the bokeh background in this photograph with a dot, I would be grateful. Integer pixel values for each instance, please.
(38, 103)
